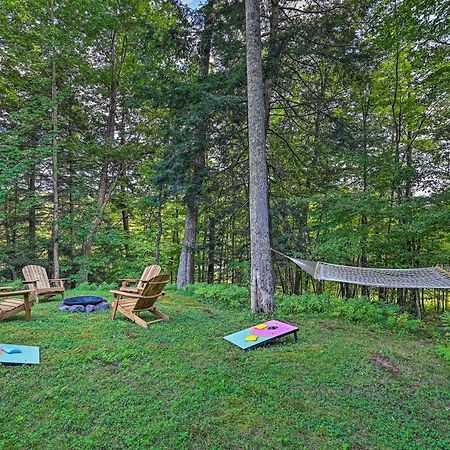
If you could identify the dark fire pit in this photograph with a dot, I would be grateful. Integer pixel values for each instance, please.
(84, 304)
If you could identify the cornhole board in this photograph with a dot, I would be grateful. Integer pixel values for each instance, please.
(274, 330)
(28, 355)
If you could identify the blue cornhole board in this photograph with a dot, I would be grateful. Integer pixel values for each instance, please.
(28, 355)
(238, 339)
(273, 330)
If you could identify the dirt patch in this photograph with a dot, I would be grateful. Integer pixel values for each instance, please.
(383, 362)
(329, 325)
(131, 333)
(210, 313)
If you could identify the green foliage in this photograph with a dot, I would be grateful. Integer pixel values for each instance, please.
(227, 295)
(94, 288)
(443, 350)
(446, 319)
(379, 314)
(306, 304)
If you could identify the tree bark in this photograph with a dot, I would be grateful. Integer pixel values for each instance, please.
(104, 192)
(160, 230)
(364, 219)
(211, 249)
(185, 274)
(70, 182)
(273, 57)
(262, 284)
(32, 220)
(54, 119)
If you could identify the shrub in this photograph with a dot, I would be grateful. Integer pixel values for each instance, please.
(380, 314)
(306, 304)
(94, 287)
(386, 315)
(443, 350)
(446, 319)
(228, 295)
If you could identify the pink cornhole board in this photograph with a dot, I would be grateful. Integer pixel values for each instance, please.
(274, 330)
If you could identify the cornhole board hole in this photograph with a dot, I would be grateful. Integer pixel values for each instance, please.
(27, 355)
(263, 333)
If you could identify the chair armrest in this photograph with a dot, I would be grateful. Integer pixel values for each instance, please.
(125, 282)
(125, 294)
(12, 293)
(58, 281)
(133, 295)
(33, 282)
(5, 288)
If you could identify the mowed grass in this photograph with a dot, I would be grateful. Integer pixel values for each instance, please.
(106, 384)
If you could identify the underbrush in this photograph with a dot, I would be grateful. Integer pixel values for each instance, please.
(443, 348)
(355, 310)
(93, 288)
(227, 295)
(379, 314)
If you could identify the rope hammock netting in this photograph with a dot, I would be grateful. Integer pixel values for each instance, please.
(426, 278)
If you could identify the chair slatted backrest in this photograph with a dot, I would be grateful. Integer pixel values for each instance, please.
(148, 274)
(152, 291)
(38, 273)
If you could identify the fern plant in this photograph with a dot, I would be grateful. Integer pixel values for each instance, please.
(446, 319)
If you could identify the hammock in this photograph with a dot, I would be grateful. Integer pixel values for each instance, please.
(427, 278)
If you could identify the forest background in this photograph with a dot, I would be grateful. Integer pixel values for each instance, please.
(124, 123)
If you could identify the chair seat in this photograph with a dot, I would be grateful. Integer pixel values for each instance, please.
(15, 302)
(50, 290)
(10, 304)
(128, 304)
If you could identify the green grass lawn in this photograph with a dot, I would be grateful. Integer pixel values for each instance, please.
(106, 384)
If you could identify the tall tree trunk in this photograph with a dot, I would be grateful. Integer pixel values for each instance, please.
(185, 274)
(55, 218)
(273, 57)
(262, 284)
(124, 206)
(364, 219)
(125, 220)
(104, 191)
(32, 221)
(71, 208)
(211, 249)
(160, 230)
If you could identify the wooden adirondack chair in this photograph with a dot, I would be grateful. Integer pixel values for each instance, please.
(37, 280)
(148, 273)
(10, 304)
(132, 303)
